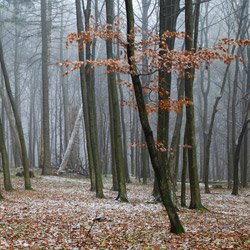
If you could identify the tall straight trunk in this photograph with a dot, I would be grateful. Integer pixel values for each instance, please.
(64, 90)
(5, 161)
(246, 141)
(233, 108)
(143, 172)
(124, 139)
(34, 138)
(123, 127)
(18, 122)
(190, 118)
(229, 150)
(169, 11)
(122, 193)
(89, 126)
(56, 122)
(31, 126)
(145, 80)
(45, 89)
(17, 78)
(205, 92)
(184, 171)
(137, 151)
(161, 173)
(132, 140)
(90, 81)
(112, 139)
(175, 143)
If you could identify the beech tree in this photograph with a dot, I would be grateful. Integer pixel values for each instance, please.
(89, 115)
(161, 174)
(190, 128)
(115, 113)
(183, 63)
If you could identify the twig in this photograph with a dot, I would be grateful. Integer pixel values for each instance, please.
(91, 225)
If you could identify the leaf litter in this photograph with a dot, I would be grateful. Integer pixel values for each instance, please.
(63, 214)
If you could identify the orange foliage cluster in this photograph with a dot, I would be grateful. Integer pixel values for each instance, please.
(159, 56)
(158, 145)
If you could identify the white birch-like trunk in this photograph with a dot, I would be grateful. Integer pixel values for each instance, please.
(71, 142)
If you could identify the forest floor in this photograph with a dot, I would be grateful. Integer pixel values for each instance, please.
(59, 215)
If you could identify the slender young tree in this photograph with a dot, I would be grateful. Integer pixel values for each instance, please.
(18, 122)
(160, 172)
(45, 89)
(17, 74)
(64, 90)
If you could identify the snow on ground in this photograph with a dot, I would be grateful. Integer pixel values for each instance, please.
(59, 215)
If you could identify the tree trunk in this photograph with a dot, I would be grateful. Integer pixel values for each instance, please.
(122, 193)
(64, 91)
(184, 172)
(124, 139)
(45, 88)
(132, 140)
(176, 226)
(18, 122)
(17, 78)
(88, 118)
(168, 16)
(246, 141)
(90, 81)
(71, 141)
(112, 139)
(190, 119)
(5, 161)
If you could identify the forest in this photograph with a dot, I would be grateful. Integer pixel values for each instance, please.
(124, 124)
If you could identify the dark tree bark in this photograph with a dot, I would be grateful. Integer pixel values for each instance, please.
(89, 116)
(90, 80)
(190, 119)
(161, 174)
(122, 193)
(45, 89)
(124, 139)
(64, 90)
(85, 101)
(169, 11)
(246, 141)
(132, 140)
(17, 75)
(184, 172)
